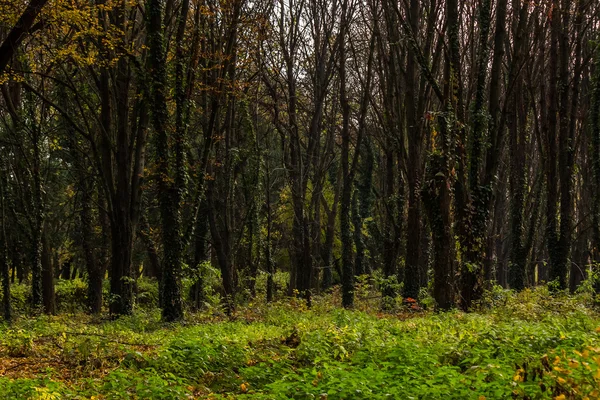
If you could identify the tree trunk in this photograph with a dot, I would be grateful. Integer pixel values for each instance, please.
(473, 199)
(169, 192)
(412, 281)
(327, 253)
(595, 150)
(269, 221)
(121, 281)
(437, 199)
(346, 236)
(197, 297)
(390, 245)
(47, 276)
(94, 271)
(4, 262)
(518, 259)
(37, 296)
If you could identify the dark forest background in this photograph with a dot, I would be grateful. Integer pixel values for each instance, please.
(437, 147)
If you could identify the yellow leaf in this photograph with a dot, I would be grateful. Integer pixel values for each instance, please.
(585, 354)
(518, 377)
(556, 360)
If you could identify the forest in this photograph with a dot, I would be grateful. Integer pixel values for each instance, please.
(300, 199)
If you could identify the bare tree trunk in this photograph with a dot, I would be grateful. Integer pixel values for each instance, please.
(37, 295)
(595, 147)
(47, 276)
(4, 262)
(94, 270)
(412, 281)
(345, 202)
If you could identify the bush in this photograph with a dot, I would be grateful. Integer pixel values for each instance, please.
(71, 295)
(20, 298)
(147, 293)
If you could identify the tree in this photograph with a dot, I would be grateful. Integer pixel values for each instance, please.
(169, 189)
(23, 27)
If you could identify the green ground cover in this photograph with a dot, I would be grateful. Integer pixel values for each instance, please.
(528, 345)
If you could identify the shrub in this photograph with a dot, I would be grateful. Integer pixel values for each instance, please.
(147, 292)
(71, 295)
(21, 298)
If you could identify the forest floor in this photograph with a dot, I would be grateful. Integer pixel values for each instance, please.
(529, 345)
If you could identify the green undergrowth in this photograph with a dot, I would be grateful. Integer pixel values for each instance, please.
(527, 346)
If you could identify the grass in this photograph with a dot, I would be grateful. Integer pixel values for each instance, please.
(529, 346)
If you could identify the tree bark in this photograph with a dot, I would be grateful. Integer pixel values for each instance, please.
(169, 189)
